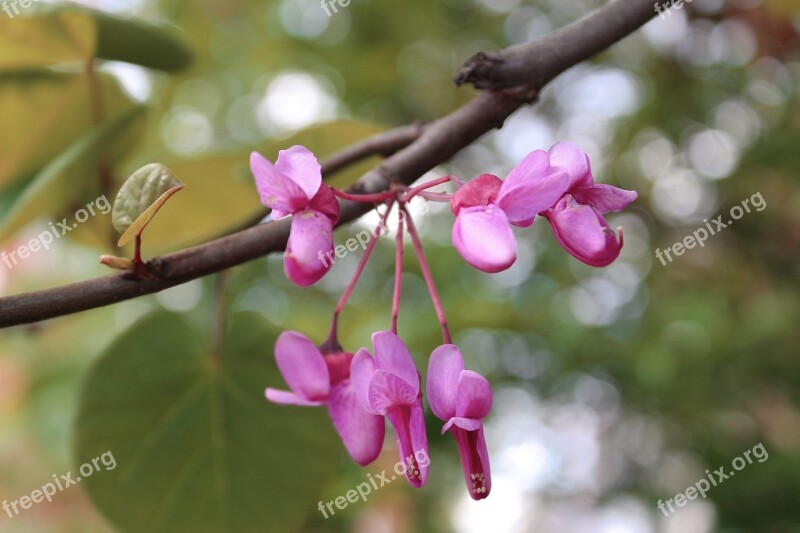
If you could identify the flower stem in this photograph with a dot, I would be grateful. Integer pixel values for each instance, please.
(398, 272)
(365, 198)
(426, 273)
(412, 192)
(332, 340)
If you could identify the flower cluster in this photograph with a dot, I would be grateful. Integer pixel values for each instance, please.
(363, 389)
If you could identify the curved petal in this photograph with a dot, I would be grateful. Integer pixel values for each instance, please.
(310, 241)
(474, 461)
(484, 238)
(326, 203)
(361, 432)
(362, 368)
(302, 366)
(533, 166)
(301, 166)
(387, 391)
(574, 161)
(584, 233)
(289, 398)
(412, 441)
(469, 424)
(392, 356)
(444, 370)
(524, 201)
(473, 395)
(277, 191)
(604, 198)
(481, 191)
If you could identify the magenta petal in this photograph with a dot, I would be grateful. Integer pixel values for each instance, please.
(302, 366)
(524, 201)
(387, 391)
(604, 198)
(584, 233)
(484, 238)
(470, 424)
(474, 461)
(301, 166)
(444, 370)
(392, 356)
(572, 160)
(289, 398)
(473, 395)
(534, 166)
(412, 441)
(361, 432)
(326, 203)
(481, 191)
(277, 191)
(362, 368)
(310, 239)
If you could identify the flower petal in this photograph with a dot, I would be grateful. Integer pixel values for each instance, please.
(310, 240)
(362, 368)
(392, 356)
(604, 198)
(301, 166)
(444, 370)
(584, 233)
(412, 441)
(473, 395)
(361, 432)
(326, 203)
(572, 160)
(289, 398)
(523, 202)
(302, 366)
(474, 461)
(484, 238)
(469, 424)
(277, 191)
(533, 166)
(481, 191)
(387, 391)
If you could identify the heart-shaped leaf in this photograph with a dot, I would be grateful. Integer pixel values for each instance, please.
(197, 447)
(140, 198)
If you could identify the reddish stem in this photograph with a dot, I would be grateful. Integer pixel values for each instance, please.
(426, 273)
(398, 272)
(412, 192)
(365, 198)
(137, 251)
(436, 196)
(332, 335)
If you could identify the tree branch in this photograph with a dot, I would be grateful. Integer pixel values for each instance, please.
(437, 143)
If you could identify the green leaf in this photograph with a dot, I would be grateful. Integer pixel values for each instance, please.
(140, 198)
(60, 34)
(71, 177)
(42, 113)
(197, 446)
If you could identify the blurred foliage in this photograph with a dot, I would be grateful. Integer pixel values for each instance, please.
(614, 388)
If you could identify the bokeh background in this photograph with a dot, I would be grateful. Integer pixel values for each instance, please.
(614, 387)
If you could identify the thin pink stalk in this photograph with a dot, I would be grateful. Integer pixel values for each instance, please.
(412, 192)
(398, 272)
(365, 198)
(426, 273)
(332, 340)
(436, 196)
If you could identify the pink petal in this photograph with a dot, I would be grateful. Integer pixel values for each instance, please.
(473, 395)
(444, 370)
(299, 165)
(469, 424)
(361, 432)
(474, 461)
(484, 238)
(391, 355)
(584, 233)
(326, 203)
(534, 166)
(310, 240)
(481, 191)
(302, 366)
(362, 368)
(604, 198)
(572, 160)
(289, 398)
(412, 441)
(524, 201)
(277, 191)
(387, 391)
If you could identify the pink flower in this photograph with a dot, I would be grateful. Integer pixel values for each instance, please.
(487, 207)
(293, 186)
(462, 398)
(315, 379)
(577, 218)
(388, 384)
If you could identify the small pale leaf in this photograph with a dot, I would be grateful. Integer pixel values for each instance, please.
(140, 198)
